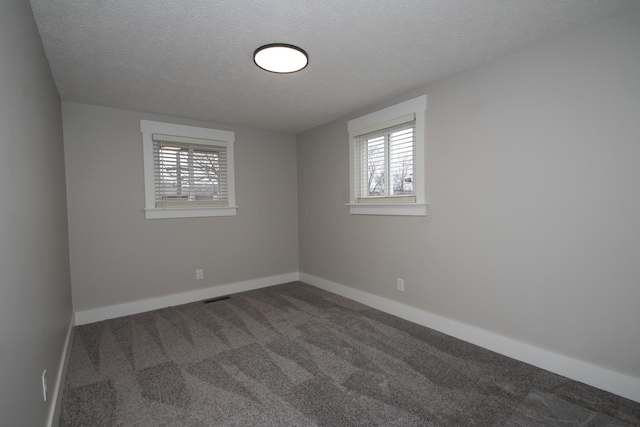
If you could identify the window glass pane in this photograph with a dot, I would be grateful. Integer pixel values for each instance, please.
(207, 178)
(401, 161)
(386, 162)
(170, 173)
(376, 166)
(190, 175)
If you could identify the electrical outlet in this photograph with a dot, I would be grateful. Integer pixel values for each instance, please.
(199, 274)
(401, 285)
(44, 385)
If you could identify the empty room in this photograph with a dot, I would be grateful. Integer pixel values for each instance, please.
(320, 213)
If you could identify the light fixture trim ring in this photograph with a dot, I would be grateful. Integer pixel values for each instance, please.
(285, 46)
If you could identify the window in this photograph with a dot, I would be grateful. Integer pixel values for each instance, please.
(387, 161)
(188, 171)
(384, 169)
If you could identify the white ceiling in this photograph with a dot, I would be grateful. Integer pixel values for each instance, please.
(193, 58)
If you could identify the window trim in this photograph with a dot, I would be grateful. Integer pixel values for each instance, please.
(218, 137)
(380, 120)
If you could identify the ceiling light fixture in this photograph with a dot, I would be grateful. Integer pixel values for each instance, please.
(280, 58)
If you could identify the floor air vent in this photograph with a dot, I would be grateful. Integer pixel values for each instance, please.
(209, 301)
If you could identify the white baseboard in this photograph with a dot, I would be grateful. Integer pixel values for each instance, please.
(56, 396)
(596, 376)
(136, 307)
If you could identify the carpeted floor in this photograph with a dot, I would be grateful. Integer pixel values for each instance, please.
(294, 355)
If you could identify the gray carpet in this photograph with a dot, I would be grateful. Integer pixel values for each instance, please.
(294, 355)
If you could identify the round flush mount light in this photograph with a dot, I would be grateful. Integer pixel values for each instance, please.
(280, 58)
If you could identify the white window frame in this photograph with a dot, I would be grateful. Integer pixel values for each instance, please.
(217, 137)
(377, 121)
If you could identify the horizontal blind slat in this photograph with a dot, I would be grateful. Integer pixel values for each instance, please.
(384, 164)
(188, 173)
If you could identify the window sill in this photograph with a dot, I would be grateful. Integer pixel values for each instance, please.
(405, 209)
(190, 212)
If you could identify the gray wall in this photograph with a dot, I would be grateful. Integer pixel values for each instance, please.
(118, 256)
(533, 185)
(35, 292)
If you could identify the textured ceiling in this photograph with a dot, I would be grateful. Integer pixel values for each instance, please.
(193, 58)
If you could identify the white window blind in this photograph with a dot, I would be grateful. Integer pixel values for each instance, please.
(385, 164)
(189, 172)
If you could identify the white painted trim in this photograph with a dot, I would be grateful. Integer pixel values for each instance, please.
(411, 106)
(56, 396)
(596, 376)
(191, 212)
(217, 137)
(406, 209)
(416, 106)
(135, 307)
